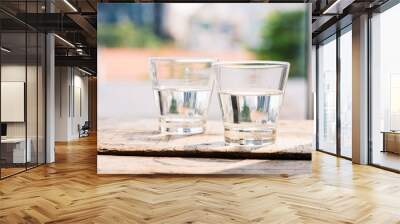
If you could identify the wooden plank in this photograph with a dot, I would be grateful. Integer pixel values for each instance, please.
(141, 138)
(108, 164)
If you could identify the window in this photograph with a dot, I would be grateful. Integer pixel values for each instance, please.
(385, 89)
(346, 93)
(327, 96)
(328, 110)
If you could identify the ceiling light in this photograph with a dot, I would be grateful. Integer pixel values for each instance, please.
(5, 50)
(80, 51)
(84, 71)
(334, 5)
(70, 5)
(65, 41)
(337, 7)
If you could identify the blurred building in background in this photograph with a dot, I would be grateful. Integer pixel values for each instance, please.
(150, 16)
(214, 28)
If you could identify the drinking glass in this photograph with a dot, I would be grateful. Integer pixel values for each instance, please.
(182, 89)
(250, 95)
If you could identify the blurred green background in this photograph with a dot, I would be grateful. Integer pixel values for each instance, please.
(281, 41)
(129, 33)
(280, 33)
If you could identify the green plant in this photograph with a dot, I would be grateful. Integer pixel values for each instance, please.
(245, 113)
(173, 109)
(127, 34)
(284, 38)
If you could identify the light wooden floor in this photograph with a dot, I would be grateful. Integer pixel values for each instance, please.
(10, 171)
(386, 159)
(70, 191)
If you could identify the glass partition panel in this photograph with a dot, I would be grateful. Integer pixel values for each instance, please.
(32, 84)
(22, 88)
(31, 98)
(41, 79)
(327, 96)
(14, 153)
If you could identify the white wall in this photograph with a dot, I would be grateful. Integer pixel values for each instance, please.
(17, 73)
(69, 82)
(62, 81)
(79, 117)
(14, 73)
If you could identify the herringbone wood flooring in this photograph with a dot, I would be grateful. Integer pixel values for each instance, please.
(70, 191)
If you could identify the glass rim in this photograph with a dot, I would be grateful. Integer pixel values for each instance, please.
(179, 59)
(252, 64)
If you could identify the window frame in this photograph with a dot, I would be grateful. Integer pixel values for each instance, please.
(347, 27)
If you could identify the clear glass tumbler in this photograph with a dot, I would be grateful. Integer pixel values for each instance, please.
(182, 90)
(250, 95)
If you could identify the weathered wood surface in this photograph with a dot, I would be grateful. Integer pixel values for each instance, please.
(107, 164)
(141, 138)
